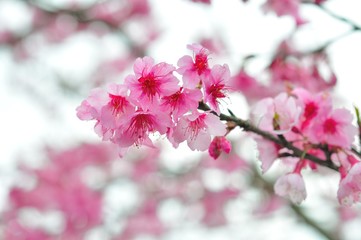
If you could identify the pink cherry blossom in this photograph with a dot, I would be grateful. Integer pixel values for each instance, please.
(117, 105)
(197, 129)
(106, 107)
(267, 152)
(277, 115)
(191, 69)
(151, 82)
(349, 190)
(90, 108)
(216, 86)
(291, 186)
(334, 128)
(181, 102)
(312, 104)
(218, 145)
(136, 127)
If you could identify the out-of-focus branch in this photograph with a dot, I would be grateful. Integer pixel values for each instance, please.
(354, 25)
(247, 126)
(259, 181)
(81, 15)
(297, 210)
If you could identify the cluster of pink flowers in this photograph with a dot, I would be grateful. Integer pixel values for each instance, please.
(309, 122)
(289, 68)
(66, 192)
(153, 101)
(59, 188)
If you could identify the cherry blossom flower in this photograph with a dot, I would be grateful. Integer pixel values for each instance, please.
(136, 127)
(291, 186)
(277, 115)
(181, 102)
(349, 190)
(151, 82)
(312, 104)
(216, 85)
(106, 108)
(197, 129)
(117, 106)
(334, 128)
(191, 69)
(90, 108)
(218, 145)
(267, 152)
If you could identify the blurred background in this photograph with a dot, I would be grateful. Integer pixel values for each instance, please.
(60, 181)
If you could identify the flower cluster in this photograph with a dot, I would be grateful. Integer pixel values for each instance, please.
(154, 101)
(309, 122)
(58, 192)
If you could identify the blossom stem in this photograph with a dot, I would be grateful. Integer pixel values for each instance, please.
(247, 126)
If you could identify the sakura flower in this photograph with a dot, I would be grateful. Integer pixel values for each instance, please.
(106, 107)
(117, 105)
(349, 190)
(135, 128)
(291, 186)
(219, 145)
(216, 86)
(268, 152)
(191, 69)
(312, 104)
(151, 82)
(181, 102)
(277, 115)
(197, 129)
(90, 108)
(334, 128)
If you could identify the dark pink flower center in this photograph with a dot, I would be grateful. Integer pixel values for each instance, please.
(201, 63)
(118, 103)
(329, 126)
(216, 90)
(310, 110)
(149, 85)
(140, 125)
(174, 99)
(197, 125)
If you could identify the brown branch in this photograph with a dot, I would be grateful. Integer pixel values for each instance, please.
(247, 126)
